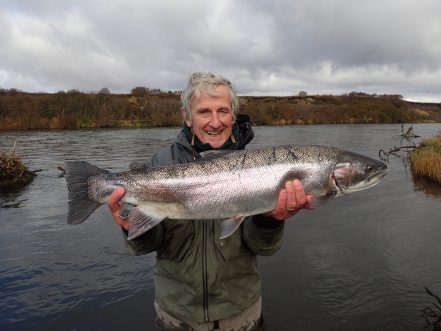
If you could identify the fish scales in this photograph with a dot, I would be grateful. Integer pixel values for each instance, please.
(232, 186)
(227, 184)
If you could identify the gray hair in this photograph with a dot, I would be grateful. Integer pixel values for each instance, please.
(206, 82)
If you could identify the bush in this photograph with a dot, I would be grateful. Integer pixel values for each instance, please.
(426, 160)
(13, 171)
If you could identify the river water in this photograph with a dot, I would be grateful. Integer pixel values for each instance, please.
(361, 262)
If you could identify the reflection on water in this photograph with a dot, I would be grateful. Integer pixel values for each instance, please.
(427, 186)
(356, 263)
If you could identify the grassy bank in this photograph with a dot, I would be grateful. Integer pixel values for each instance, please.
(425, 161)
(13, 171)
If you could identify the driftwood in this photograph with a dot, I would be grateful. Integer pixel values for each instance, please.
(409, 132)
(432, 317)
(394, 151)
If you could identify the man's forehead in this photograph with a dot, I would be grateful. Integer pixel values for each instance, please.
(214, 91)
(218, 96)
(212, 103)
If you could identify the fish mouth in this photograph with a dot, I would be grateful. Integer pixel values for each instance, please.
(368, 182)
(374, 179)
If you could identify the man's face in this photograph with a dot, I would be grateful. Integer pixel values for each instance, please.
(212, 117)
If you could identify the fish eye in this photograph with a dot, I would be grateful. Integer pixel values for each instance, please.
(370, 168)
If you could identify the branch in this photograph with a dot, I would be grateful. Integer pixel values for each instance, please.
(433, 295)
(385, 155)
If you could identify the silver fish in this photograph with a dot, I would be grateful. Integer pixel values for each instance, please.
(228, 187)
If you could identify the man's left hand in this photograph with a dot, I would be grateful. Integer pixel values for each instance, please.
(291, 199)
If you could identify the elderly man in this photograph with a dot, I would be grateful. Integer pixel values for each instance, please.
(201, 281)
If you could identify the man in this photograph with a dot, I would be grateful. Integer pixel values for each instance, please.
(201, 281)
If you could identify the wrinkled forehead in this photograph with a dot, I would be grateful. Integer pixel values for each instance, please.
(211, 90)
(218, 97)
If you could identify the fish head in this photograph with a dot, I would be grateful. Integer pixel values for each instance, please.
(354, 172)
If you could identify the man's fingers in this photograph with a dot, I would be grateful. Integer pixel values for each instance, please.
(291, 198)
(281, 201)
(309, 200)
(295, 195)
(299, 193)
(114, 199)
(114, 206)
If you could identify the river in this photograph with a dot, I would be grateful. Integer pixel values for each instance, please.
(361, 262)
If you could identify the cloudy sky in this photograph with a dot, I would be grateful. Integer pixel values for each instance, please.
(264, 47)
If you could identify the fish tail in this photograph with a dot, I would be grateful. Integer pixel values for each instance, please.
(77, 176)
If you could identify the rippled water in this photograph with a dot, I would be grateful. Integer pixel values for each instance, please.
(356, 263)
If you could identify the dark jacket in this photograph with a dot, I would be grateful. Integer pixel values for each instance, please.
(199, 276)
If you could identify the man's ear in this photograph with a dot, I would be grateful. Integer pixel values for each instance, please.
(185, 118)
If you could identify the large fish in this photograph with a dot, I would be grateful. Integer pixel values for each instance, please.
(228, 187)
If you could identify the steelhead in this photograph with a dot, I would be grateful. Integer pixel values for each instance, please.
(229, 187)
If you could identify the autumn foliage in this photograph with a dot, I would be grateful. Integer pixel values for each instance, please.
(153, 108)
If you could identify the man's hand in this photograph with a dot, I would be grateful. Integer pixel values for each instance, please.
(291, 199)
(114, 206)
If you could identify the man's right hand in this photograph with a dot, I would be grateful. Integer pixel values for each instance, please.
(114, 205)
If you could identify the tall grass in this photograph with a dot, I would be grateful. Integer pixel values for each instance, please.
(13, 171)
(426, 159)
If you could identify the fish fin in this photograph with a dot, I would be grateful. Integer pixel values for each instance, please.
(214, 153)
(138, 165)
(140, 223)
(77, 176)
(322, 199)
(230, 225)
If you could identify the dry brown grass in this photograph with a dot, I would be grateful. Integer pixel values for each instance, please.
(13, 171)
(426, 160)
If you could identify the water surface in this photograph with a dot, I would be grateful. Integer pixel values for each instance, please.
(356, 263)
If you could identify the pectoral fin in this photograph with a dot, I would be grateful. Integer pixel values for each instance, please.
(140, 223)
(322, 199)
(230, 225)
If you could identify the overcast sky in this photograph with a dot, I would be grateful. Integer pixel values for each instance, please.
(264, 47)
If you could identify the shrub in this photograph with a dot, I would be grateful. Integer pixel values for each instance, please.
(13, 172)
(426, 160)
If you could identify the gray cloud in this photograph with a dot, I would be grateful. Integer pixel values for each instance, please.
(277, 47)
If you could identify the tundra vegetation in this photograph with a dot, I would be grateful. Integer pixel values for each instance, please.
(13, 171)
(145, 107)
(425, 160)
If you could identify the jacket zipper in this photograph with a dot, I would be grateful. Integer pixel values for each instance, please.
(204, 269)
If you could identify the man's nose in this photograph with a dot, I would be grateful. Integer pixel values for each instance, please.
(214, 121)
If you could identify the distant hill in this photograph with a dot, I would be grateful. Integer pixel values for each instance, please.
(74, 109)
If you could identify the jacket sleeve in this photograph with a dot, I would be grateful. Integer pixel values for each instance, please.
(263, 235)
(151, 240)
